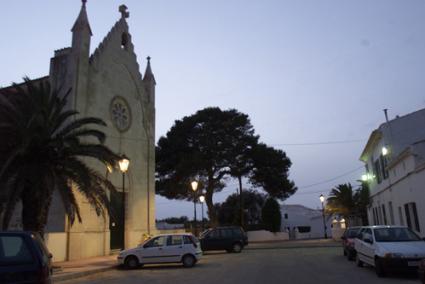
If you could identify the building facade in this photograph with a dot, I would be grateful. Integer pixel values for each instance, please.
(394, 158)
(107, 84)
(304, 223)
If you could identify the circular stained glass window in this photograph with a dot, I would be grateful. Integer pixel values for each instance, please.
(120, 113)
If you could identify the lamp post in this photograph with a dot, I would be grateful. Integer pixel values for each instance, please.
(194, 185)
(123, 163)
(202, 200)
(322, 199)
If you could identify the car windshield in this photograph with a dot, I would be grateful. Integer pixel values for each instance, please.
(352, 233)
(395, 235)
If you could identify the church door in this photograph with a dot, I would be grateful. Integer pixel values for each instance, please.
(116, 220)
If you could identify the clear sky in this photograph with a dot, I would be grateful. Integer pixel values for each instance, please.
(304, 71)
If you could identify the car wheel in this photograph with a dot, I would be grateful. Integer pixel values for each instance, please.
(237, 247)
(358, 261)
(188, 260)
(131, 262)
(379, 267)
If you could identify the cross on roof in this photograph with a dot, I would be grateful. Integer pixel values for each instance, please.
(123, 10)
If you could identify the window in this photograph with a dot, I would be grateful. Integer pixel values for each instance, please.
(156, 242)
(400, 215)
(379, 209)
(375, 216)
(13, 249)
(384, 162)
(286, 215)
(390, 206)
(304, 229)
(124, 41)
(214, 234)
(377, 171)
(412, 216)
(175, 240)
(384, 214)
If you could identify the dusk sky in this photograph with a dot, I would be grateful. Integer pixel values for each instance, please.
(314, 76)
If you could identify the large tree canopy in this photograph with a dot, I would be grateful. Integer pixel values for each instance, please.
(211, 145)
(201, 147)
(46, 150)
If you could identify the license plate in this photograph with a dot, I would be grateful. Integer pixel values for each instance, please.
(413, 263)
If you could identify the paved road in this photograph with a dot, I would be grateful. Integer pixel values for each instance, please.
(289, 265)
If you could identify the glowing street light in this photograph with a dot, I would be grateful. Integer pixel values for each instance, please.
(194, 185)
(124, 163)
(202, 200)
(322, 200)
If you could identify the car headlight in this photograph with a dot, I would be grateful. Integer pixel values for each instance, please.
(393, 255)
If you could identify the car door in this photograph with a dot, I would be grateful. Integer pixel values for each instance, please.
(174, 249)
(368, 248)
(212, 240)
(154, 250)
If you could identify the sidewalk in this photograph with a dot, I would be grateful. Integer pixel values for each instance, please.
(67, 270)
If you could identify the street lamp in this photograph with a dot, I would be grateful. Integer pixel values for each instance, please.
(322, 199)
(123, 163)
(202, 200)
(194, 185)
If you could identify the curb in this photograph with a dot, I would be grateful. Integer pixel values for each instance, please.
(292, 247)
(71, 275)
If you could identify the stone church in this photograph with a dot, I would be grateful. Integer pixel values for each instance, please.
(108, 84)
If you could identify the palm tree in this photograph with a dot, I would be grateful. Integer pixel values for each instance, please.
(341, 200)
(44, 148)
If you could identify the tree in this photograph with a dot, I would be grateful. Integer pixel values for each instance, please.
(228, 211)
(47, 149)
(212, 145)
(362, 200)
(347, 202)
(201, 147)
(341, 200)
(270, 171)
(271, 215)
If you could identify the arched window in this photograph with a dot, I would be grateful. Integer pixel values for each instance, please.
(124, 41)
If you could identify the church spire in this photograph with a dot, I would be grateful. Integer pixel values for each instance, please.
(82, 22)
(149, 77)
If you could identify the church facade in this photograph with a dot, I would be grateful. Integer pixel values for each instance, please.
(108, 84)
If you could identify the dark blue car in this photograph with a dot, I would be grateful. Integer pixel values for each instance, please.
(24, 259)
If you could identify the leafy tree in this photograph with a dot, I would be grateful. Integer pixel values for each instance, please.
(201, 147)
(46, 151)
(346, 201)
(271, 215)
(362, 200)
(228, 211)
(270, 171)
(341, 200)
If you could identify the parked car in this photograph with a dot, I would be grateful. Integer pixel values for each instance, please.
(184, 248)
(421, 271)
(231, 239)
(389, 248)
(24, 258)
(348, 242)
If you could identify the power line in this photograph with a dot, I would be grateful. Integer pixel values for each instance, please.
(331, 179)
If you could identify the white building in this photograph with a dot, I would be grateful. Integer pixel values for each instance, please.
(304, 223)
(394, 157)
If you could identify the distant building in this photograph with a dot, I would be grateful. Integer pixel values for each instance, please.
(107, 84)
(394, 158)
(304, 223)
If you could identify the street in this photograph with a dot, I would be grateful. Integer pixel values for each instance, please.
(280, 265)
